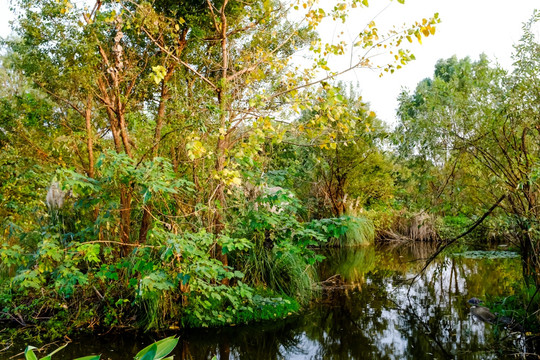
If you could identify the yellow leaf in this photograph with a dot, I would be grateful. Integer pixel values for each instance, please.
(236, 181)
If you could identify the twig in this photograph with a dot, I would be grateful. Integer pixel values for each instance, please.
(450, 242)
(20, 320)
(98, 293)
(114, 242)
(6, 348)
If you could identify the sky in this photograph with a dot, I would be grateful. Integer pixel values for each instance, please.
(467, 28)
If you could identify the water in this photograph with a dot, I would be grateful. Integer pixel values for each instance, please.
(367, 311)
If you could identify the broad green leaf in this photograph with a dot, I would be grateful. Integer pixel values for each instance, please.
(148, 353)
(90, 357)
(29, 353)
(162, 348)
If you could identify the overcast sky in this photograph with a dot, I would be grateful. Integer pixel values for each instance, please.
(468, 28)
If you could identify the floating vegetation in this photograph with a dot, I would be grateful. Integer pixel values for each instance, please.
(488, 254)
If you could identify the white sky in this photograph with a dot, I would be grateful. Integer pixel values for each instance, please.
(468, 28)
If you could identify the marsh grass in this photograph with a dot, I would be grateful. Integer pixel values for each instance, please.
(407, 226)
(360, 231)
(281, 270)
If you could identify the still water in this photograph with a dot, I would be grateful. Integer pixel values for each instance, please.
(367, 309)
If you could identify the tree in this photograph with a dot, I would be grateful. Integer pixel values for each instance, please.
(472, 118)
(344, 149)
(437, 124)
(212, 82)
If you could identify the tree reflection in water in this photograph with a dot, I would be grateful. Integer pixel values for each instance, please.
(372, 313)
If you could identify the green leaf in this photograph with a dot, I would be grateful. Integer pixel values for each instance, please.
(91, 357)
(146, 196)
(29, 354)
(162, 349)
(148, 353)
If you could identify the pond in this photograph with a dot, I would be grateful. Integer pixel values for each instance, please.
(366, 310)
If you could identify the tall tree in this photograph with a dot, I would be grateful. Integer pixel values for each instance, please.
(207, 78)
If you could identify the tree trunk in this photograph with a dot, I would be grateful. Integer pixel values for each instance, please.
(146, 222)
(89, 136)
(218, 222)
(125, 215)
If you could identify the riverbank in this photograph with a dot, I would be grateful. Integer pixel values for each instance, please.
(371, 314)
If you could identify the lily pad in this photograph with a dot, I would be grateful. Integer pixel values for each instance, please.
(488, 254)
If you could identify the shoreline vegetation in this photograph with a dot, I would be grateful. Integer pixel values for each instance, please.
(167, 165)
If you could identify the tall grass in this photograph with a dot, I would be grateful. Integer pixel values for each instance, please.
(360, 231)
(281, 271)
(404, 225)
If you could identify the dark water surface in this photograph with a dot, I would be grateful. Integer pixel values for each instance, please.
(368, 311)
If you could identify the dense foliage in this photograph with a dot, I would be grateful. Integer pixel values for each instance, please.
(154, 155)
(166, 165)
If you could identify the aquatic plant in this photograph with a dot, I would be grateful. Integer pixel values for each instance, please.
(488, 254)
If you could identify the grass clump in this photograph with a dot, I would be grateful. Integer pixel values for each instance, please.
(345, 231)
(280, 270)
(360, 231)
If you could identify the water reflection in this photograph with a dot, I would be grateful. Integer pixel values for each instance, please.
(368, 311)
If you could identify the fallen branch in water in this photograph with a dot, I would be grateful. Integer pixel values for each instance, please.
(447, 243)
